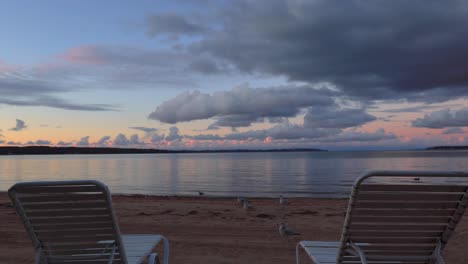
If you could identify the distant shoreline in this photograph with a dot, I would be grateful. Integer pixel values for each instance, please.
(448, 148)
(45, 150)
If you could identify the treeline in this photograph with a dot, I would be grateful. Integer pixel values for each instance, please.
(447, 148)
(46, 150)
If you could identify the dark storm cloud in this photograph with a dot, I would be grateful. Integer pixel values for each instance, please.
(241, 106)
(330, 117)
(370, 49)
(172, 24)
(443, 118)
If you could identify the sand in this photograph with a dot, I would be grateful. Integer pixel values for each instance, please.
(217, 230)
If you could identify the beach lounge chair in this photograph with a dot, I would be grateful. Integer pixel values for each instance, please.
(73, 222)
(396, 217)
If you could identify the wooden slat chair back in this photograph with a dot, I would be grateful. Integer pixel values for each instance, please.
(69, 222)
(409, 220)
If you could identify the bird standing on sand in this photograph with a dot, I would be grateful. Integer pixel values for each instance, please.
(283, 200)
(248, 206)
(285, 231)
(241, 200)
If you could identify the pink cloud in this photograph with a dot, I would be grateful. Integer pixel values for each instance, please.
(6, 67)
(84, 55)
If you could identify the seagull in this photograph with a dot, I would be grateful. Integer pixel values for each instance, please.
(283, 200)
(201, 193)
(285, 231)
(241, 200)
(248, 206)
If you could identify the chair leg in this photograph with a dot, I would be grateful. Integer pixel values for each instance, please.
(298, 261)
(154, 259)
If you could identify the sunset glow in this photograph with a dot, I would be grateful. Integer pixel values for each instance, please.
(222, 75)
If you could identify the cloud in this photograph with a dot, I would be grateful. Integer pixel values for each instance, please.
(366, 48)
(356, 136)
(453, 130)
(134, 139)
(84, 141)
(48, 101)
(43, 142)
(330, 117)
(443, 118)
(242, 105)
(20, 125)
(156, 138)
(145, 129)
(173, 134)
(172, 24)
(63, 143)
(84, 54)
(103, 140)
(121, 140)
(206, 137)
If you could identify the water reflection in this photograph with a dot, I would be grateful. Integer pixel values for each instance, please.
(225, 174)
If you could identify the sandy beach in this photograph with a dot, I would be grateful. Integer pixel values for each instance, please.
(217, 230)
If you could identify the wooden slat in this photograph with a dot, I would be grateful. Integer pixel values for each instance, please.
(406, 205)
(82, 245)
(87, 255)
(59, 206)
(116, 261)
(78, 226)
(397, 196)
(71, 220)
(25, 190)
(63, 213)
(402, 212)
(382, 234)
(400, 219)
(407, 240)
(390, 227)
(75, 232)
(412, 188)
(73, 240)
(398, 247)
(62, 198)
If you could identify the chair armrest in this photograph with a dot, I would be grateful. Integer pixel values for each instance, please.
(166, 249)
(153, 259)
(359, 252)
(437, 256)
(38, 255)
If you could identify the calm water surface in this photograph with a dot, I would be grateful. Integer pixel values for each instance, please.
(304, 174)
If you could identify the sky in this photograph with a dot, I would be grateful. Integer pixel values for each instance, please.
(241, 74)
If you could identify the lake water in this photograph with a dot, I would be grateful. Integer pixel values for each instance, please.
(299, 174)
